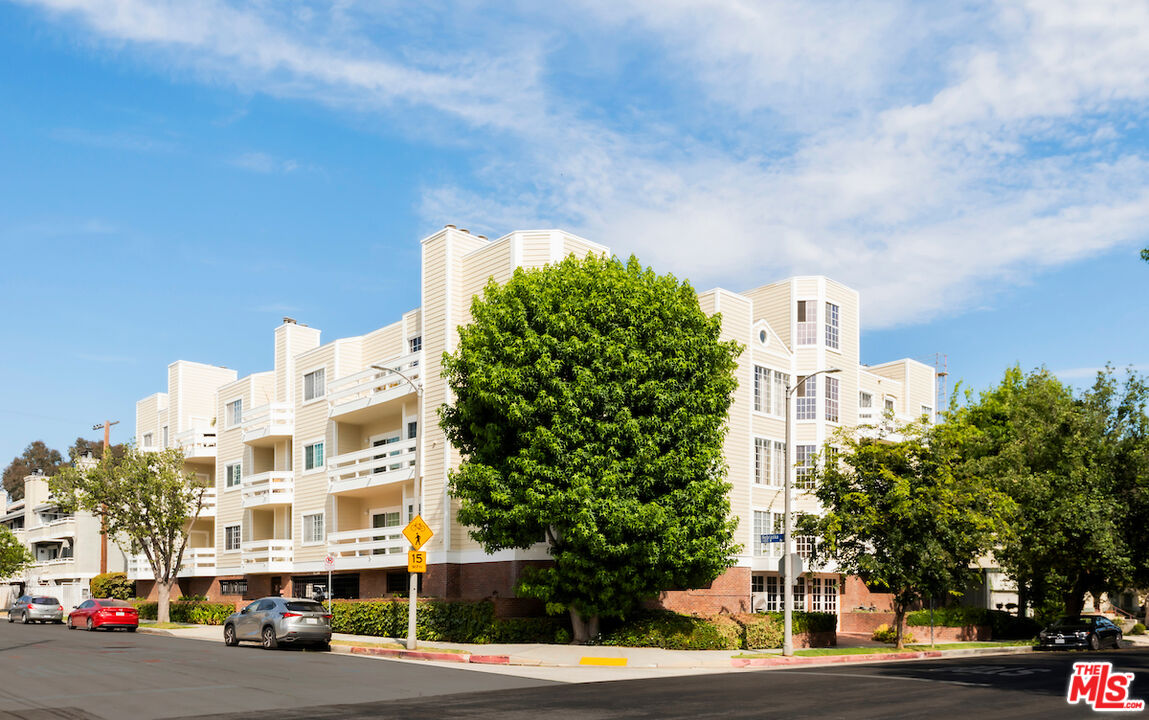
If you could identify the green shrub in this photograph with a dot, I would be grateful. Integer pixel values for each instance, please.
(444, 620)
(1138, 629)
(112, 585)
(1003, 625)
(887, 634)
(533, 630)
(196, 612)
(760, 631)
(665, 629)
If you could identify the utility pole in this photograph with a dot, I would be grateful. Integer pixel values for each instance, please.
(107, 427)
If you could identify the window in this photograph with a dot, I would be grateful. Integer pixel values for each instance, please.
(831, 325)
(234, 474)
(235, 412)
(807, 322)
(927, 413)
(800, 594)
(164, 435)
(769, 390)
(773, 594)
(832, 399)
(231, 537)
(766, 523)
(761, 388)
(757, 583)
(865, 400)
(313, 456)
(807, 395)
(149, 440)
(313, 528)
(889, 405)
(314, 384)
(415, 343)
(804, 466)
(824, 594)
(763, 336)
(769, 462)
(412, 429)
(233, 587)
(804, 545)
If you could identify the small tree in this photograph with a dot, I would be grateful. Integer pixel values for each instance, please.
(36, 456)
(111, 585)
(147, 499)
(14, 557)
(899, 516)
(590, 410)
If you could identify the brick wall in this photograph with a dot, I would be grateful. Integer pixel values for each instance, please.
(855, 594)
(476, 581)
(729, 593)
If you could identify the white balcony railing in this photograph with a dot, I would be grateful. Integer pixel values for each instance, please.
(276, 487)
(198, 562)
(270, 420)
(372, 387)
(372, 467)
(267, 555)
(209, 499)
(196, 444)
(369, 544)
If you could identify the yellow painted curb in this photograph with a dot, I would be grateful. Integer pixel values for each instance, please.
(602, 661)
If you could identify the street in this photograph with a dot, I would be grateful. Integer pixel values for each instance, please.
(47, 671)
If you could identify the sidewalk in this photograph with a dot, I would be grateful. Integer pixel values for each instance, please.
(544, 655)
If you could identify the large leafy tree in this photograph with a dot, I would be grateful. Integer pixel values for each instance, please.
(590, 410)
(899, 514)
(1077, 468)
(83, 446)
(36, 457)
(14, 557)
(147, 499)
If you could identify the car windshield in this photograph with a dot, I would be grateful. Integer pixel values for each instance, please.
(45, 601)
(1069, 621)
(305, 606)
(113, 603)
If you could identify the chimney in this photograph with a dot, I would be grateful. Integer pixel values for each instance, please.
(288, 321)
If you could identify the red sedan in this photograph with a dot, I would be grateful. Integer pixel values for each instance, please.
(108, 614)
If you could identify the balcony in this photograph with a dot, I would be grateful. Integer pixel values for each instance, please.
(276, 487)
(368, 548)
(272, 555)
(196, 444)
(209, 498)
(370, 388)
(268, 422)
(198, 562)
(372, 467)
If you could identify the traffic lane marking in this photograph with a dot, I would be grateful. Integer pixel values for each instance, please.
(864, 676)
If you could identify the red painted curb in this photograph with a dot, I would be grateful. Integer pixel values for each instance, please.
(491, 659)
(410, 654)
(832, 659)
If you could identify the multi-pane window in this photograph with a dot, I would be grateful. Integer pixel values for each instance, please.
(761, 388)
(769, 462)
(807, 322)
(889, 405)
(315, 384)
(865, 401)
(769, 390)
(148, 440)
(415, 343)
(164, 435)
(313, 528)
(313, 456)
(235, 412)
(773, 593)
(800, 593)
(233, 587)
(832, 399)
(763, 523)
(831, 325)
(757, 583)
(807, 399)
(804, 456)
(412, 429)
(233, 474)
(804, 545)
(231, 537)
(824, 594)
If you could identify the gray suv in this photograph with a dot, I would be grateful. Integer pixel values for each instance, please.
(274, 620)
(36, 608)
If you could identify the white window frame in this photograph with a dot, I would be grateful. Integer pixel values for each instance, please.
(323, 463)
(149, 440)
(865, 400)
(833, 327)
(807, 329)
(320, 374)
(308, 537)
(769, 391)
(833, 405)
(227, 475)
(238, 537)
(415, 344)
(774, 599)
(233, 418)
(806, 399)
(824, 594)
(805, 457)
(165, 436)
(769, 462)
(766, 522)
(889, 403)
(928, 413)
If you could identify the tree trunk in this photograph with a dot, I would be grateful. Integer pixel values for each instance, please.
(164, 595)
(584, 628)
(1075, 598)
(899, 620)
(1022, 600)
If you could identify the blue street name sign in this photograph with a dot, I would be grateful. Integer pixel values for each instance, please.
(773, 537)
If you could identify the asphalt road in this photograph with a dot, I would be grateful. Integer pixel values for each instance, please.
(49, 672)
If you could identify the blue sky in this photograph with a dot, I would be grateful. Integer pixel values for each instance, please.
(176, 177)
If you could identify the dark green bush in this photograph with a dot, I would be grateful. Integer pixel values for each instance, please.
(1138, 629)
(761, 630)
(112, 585)
(196, 612)
(1003, 625)
(448, 621)
(806, 622)
(665, 629)
(533, 630)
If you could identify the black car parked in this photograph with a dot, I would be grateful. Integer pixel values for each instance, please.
(1083, 632)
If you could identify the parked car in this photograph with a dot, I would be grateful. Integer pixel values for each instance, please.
(36, 608)
(104, 613)
(1083, 632)
(274, 620)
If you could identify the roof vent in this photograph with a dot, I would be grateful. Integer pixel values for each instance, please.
(448, 227)
(464, 230)
(481, 237)
(288, 321)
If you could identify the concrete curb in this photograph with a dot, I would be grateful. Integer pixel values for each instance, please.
(423, 655)
(154, 631)
(874, 657)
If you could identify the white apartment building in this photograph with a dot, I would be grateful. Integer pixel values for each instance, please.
(316, 455)
(66, 546)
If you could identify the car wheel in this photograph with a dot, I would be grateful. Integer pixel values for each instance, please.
(90, 626)
(1094, 643)
(269, 641)
(10, 618)
(25, 619)
(70, 625)
(229, 637)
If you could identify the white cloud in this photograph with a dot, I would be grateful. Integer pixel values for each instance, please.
(925, 156)
(263, 163)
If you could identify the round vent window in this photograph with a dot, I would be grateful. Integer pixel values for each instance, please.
(763, 336)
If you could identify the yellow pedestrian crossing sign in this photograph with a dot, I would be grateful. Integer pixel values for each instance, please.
(417, 532)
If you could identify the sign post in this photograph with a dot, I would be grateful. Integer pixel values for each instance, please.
(417, 533)
(329, 563)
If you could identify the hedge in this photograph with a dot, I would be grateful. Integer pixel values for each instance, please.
(197, 612)
(665, 629)
(1003, 625)
(760, 631)
(113, 585)
(444, 620)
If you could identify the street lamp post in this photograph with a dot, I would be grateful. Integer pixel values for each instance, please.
(788, 559)
(413, 587)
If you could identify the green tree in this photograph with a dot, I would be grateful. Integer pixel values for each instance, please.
(1077, 469)
(147, 499)
(83, 446)
(898, 514)
(1145, 254)
(14, 557)
(590, 410)
(37, 456)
